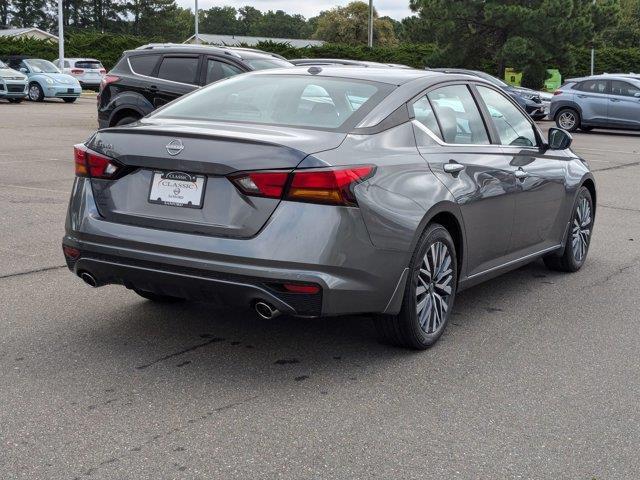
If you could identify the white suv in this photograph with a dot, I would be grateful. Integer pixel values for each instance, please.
(88, 71)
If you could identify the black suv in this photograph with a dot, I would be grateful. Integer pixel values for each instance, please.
(155, 74)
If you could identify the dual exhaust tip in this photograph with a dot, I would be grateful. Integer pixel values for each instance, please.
(263, 309)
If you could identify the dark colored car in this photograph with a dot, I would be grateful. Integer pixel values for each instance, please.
(602, 101)
(528, 99)
(329, 191)
(155, 74)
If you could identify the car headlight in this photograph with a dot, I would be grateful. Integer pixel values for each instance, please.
(48, 80)
(527, 96)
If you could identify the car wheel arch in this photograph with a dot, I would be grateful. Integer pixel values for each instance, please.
(125, 111)
(589, 182)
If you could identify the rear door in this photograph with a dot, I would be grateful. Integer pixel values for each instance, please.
(454, 140)
(176, 75)
(540, 216)
(593, 98)
(624, 104)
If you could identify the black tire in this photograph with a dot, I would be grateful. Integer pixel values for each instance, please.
(35, 92)
(570, 113)
(16, 100)
(405, 329)
(154, 297)
(126, 121)
(70, 100)
(568, 260)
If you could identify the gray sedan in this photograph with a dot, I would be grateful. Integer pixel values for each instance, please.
(328, 191)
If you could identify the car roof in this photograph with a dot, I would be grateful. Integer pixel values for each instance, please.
(240, 53)
(391, 76)
(605, 76)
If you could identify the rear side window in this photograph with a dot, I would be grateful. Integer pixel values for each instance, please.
(144, 64)
(593, 86)
(513, 127)
(458, 115)
(424, 114)
(179, 69)
(624, 89)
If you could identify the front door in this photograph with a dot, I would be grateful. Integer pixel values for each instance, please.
(624, 104)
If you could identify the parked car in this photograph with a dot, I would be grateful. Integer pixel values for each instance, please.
(88, 71)
(302, 62)
(155, 74)
(601, 101)
(45, 80)
(327, 192)
(528, 99)
(13, 84)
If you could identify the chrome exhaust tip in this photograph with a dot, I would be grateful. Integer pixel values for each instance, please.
(89, 279)
(266, 311)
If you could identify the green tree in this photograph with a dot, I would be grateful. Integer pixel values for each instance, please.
(28, 13)
(350, 24)
(280, 24)
(527, 35)
(249, 18)
(220, 20)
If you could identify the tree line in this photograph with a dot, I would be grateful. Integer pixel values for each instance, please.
(529, 35)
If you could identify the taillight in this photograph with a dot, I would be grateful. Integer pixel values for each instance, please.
(94, 165)
(262, 184)
(333, 186)
(106, 80)
(77, 71)
(308, 288)
(558, 92)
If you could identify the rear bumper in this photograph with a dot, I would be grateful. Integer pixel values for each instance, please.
(326, 246)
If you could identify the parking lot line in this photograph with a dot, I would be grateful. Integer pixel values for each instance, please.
(33, 188)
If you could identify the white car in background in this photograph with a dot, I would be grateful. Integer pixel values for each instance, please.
(88, 71)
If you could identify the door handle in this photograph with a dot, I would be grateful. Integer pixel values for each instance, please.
(521, 174)
(614, 99)
(453, 167)
(582, 96)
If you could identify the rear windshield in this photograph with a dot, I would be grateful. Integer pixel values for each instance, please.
(88, 64)
(298, 101)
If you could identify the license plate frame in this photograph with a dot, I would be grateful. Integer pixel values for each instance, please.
(166, 194)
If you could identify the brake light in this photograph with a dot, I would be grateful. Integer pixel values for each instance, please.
(108, 79)
(76, 71)
(558, 92)
(308, 288)
(262, 184)
(333, 186)
(93, 165)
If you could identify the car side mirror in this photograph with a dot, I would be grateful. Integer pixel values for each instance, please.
(637, 94)
(559, 139)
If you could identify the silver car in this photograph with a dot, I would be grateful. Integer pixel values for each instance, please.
(13, 84)
(329, 191)
(601, 101)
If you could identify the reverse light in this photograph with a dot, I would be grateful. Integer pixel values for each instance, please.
(94, 165)
(332, 186)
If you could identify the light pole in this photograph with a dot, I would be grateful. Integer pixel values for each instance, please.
(60, 36)
(197, 37)
(370, 41)
(593, 50)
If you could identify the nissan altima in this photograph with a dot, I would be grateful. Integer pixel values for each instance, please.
(329, 191)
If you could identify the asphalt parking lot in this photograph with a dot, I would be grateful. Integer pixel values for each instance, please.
(537, 376)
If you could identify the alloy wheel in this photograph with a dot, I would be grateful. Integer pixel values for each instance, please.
(567, 120)
(34, 92)
(581, 230)
(434, 288)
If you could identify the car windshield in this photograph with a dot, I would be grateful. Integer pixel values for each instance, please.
(266, 63)
(41, 66)
(88, 64)
(298, 101)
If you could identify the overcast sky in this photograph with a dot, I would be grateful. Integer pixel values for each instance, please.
(397, 9)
